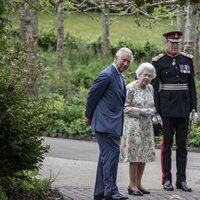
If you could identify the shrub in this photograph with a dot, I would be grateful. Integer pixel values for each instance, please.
(67, 115)
(3, 195)
(194, 137)
(22, 118)
(26, 187)
(47, 38)
(82, 77)
(141, 52)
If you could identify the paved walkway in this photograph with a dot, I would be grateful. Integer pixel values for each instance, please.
(72, 164)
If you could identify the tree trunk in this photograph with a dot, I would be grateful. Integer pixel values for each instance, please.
(106, 24)
(60, 34)
(180, 17)
(29, 34)
(197, 56)
(191, 31)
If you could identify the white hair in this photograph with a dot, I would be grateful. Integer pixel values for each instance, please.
(145, 66)
(124, 50)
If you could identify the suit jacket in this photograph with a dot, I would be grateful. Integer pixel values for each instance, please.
(105, 102)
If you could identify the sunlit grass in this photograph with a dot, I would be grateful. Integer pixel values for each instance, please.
(89, 27)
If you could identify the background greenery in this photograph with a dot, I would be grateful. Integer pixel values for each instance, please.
(59, 106)
(65, 89)
(22, 119)
(89, 27)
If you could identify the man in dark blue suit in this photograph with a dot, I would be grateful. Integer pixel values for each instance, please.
(104, 111)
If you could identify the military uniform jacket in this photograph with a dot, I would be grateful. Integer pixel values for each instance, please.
(174, 70)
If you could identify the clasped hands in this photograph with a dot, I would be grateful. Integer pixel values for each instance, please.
(147, 111)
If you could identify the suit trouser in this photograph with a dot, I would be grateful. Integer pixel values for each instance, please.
(107, 164)
(179, 126)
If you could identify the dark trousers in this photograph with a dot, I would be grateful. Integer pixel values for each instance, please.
(107, 164)
(179, 127)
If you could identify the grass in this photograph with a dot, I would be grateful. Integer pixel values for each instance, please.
(89, 27)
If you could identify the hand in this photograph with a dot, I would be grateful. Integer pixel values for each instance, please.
(157, 118)
(87, 121)
(147, 111)
(193, 117)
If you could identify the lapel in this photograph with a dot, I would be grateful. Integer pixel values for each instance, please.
(122, 88)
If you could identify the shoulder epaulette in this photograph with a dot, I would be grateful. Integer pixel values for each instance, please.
(186, 55)
(158, 57)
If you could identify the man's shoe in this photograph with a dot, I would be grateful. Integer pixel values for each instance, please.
(183, 186)
(117, 196)
(98, 197)
(168, 186)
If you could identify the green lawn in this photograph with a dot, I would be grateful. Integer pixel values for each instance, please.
(89, 27)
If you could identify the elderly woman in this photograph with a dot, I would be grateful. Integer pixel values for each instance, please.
(137, 142)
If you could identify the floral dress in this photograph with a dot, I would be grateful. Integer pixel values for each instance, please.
(137, 141)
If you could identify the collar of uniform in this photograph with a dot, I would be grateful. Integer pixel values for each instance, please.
(172, 55)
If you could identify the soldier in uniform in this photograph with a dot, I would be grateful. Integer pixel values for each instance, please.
(175, 101)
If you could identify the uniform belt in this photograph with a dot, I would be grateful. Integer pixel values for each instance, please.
(175, 86)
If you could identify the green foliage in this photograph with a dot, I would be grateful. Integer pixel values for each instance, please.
(140, 52)
(88, 28)
(47, 38)
(194, 137)
(66, 88)
(80, 52)
(33, 6)
(82, 77)
(53, 80)
(83, 61)
(160, 12)
(67, 115)
(21, 118)
(3, 195)
(25, 186)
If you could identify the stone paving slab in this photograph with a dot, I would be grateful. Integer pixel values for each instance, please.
(77, 193)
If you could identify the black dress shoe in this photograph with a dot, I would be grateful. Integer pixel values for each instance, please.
(183, 186)
(133, 192)
(98, 197)
(144, 191)
(117, 196)
(168, 186)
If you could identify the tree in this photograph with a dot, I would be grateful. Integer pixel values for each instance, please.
(191, 38)
(110, 8)
(62, 6)
(29, 35)
(187, 13)
(105, 30)
(180, 16)
(60, 33)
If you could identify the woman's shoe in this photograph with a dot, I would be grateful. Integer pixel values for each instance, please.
(144, 191)
(133, 192)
